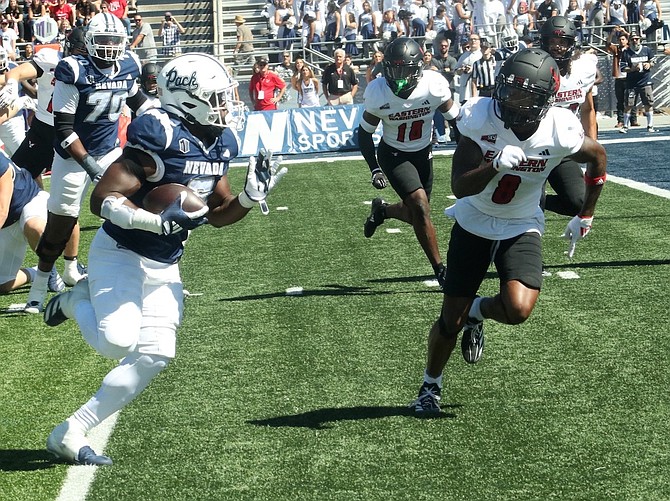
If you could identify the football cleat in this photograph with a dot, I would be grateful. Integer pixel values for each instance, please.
(427, 403)
(72, 275)
(55, 283)
(67, 443)
(624, 130)
(34, 307)
(61, 307)
(376, 217)
(472, 343)
(651, 129)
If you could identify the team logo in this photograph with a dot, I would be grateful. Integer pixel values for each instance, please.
(545, 153)
(490, 138)
(425, 103)
(184, 145)
(175, 81)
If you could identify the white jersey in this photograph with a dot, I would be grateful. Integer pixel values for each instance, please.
(309, 97)
(46, 59)
(407, 123)
(509, 205)
(577, 84)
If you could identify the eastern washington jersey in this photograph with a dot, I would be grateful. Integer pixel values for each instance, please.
(407, 123)
(181, 158)
(509, 205)
(96, 97)
(45, 62)
(25, 189)
(577, 84)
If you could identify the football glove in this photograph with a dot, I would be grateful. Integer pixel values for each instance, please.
(262, 177)
(175, 219)
(379, 180)
(9, 93)
(577, 228)
(508, 158)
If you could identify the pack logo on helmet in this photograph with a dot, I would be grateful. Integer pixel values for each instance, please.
(174, 81)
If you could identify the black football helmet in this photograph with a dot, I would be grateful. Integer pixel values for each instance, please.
(148, 78)
(403, 66)
(526, 87)
(74, 43)
(559, 27)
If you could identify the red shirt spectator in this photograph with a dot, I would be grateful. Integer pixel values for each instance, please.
(118, 7)
(263, 86)
(62, 10)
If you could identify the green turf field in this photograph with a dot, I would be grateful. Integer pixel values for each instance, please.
(275, 397)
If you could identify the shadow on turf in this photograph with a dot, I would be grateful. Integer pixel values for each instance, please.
(320, 418)
(25, 460)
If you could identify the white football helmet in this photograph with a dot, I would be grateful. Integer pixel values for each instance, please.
(198, 88)
(106, 37)
(3, 60)
(510, 39)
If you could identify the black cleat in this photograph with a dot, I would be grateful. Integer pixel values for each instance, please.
(376, 217)
(427, 404)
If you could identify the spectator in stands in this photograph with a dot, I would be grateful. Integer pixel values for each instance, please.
(14, 14)
(8, 38)
(143, 41)
(120, 9)
(311, 36)
(461, 22)
(266, 88)
(28, 52)
(171, 32)
(523, 22)
(285, 71)
(366, 27)
(62, 10)
(464, 67)
(375, 68)
(543, 11)
(84, 11)
(598, 15)
(440, 22)
(36, 8)
(637, 62)
(333, 26)
(308, 89)
(298, 65)
(269, 13)
(350, 34)
(575, 14)
(244, 49)
(286, 21)
(340, 83)
(390, 28)
(348, 60)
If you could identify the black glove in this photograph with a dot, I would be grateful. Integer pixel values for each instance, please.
(175, 219)
(379, 180)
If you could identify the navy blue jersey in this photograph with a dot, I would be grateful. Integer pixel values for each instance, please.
(102, 95)
(25, 189)
(180, 157)
(641, 78)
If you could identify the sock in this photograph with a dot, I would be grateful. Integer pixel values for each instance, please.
(31, 272)
(432, 380)
(41, 279)
(71, 266)
(475, 310)
(650, 119)
(626, 119)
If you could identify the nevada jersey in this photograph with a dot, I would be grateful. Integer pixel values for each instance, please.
(577, 83)
(407, 123)
(45, 62)
(25, 189)
(180, 157)
(96, 100)
(509, 205)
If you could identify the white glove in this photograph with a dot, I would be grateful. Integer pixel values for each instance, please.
(262, 177)
(508, 158)
(26, 103)
(578, 228)
(9, 93)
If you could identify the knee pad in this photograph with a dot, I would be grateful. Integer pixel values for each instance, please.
(56, 234)
(151, 363)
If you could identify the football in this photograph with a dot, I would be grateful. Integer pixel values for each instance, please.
(161, 196)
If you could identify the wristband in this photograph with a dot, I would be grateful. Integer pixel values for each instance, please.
(65, 143)
(595, 181)
(245, 201)
(452, 112)
(91, 167)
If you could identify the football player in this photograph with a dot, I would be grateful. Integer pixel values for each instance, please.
(36, 152)
(509, 145)
(89, 94)
(130, 306)
(12, 129)
(148, 79)
(578, 75)
(405, 101)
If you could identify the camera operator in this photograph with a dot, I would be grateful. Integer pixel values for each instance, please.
(171, 31)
